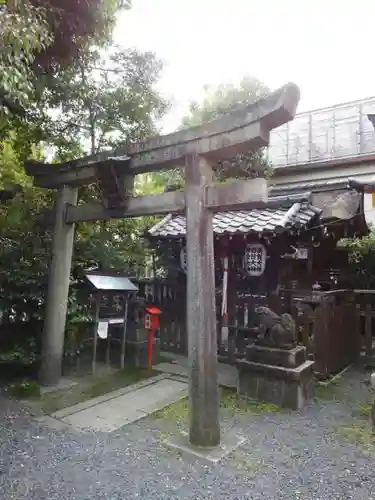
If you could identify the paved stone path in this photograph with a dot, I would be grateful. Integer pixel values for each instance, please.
(123, 406)
(118, 408)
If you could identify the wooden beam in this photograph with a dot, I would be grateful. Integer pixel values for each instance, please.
(245, 128)
(158, 204)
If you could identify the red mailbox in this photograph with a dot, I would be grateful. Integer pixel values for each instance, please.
(152, 314)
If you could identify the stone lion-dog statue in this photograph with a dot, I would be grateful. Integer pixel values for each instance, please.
(274, 330)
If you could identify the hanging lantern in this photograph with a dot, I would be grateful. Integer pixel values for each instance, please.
(255, 259)
(183, 259)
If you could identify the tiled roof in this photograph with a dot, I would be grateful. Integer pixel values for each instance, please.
(258, 221)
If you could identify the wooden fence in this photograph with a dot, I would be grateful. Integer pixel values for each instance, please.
(328, 324)
(334, 326)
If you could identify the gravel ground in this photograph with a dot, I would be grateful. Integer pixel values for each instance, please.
(287, 456)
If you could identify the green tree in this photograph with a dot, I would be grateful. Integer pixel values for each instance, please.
(223, 99)
(91, 105)
(24, 31)
(218, 101)
(361, 254)
(39, 36)
(98, 104)
(103, 101)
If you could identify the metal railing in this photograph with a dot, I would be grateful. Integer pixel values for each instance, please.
(339, 131)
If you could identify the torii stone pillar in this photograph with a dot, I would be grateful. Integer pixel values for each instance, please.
(58, 289)
(201, 307)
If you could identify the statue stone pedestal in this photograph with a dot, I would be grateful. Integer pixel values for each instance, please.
(136, 352)
(281, 376)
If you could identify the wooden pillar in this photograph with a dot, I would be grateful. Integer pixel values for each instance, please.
(201, 315)
(58, 289)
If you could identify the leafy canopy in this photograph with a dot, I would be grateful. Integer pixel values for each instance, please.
(102, 101)
(222, 99)
(44, 35)
(218, 101)
(361, 253)
(24, 31)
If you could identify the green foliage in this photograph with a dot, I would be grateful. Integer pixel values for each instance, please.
(100, 102)
(24, 255)
(40, 36)
(93, 104)
(230, 404)
(223, 99)
(361, 258)
(365, 410)
(23, 355)
(24, 32)
(24, 389)
(26, 245)
(359, 247)
(327, 391)
(75, 26)
(220, 101)
(361, 435)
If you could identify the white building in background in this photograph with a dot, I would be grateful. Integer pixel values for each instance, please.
(328, 144)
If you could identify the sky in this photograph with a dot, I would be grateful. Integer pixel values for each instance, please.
(325, 47)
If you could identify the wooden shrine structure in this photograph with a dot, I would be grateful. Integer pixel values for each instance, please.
(294, 244)
(196, 149)
(284, 257)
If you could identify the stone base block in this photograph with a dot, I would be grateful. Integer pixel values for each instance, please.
(289, 358)
(285, 387)
(136, 353)
(229, 442)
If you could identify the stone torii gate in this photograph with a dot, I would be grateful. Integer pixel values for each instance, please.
(197, 150)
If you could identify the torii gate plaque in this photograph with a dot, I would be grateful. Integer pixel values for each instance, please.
(197, 149)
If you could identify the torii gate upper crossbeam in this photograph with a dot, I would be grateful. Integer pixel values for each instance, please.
(246, 128)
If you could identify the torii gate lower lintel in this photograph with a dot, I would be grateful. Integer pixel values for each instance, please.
(196, 149)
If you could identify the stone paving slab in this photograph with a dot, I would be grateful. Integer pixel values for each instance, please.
(229, 442)
(106, 397)
(228, 376)
(64, 383)
(113, 413)
(53, 423)
(172, 368)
